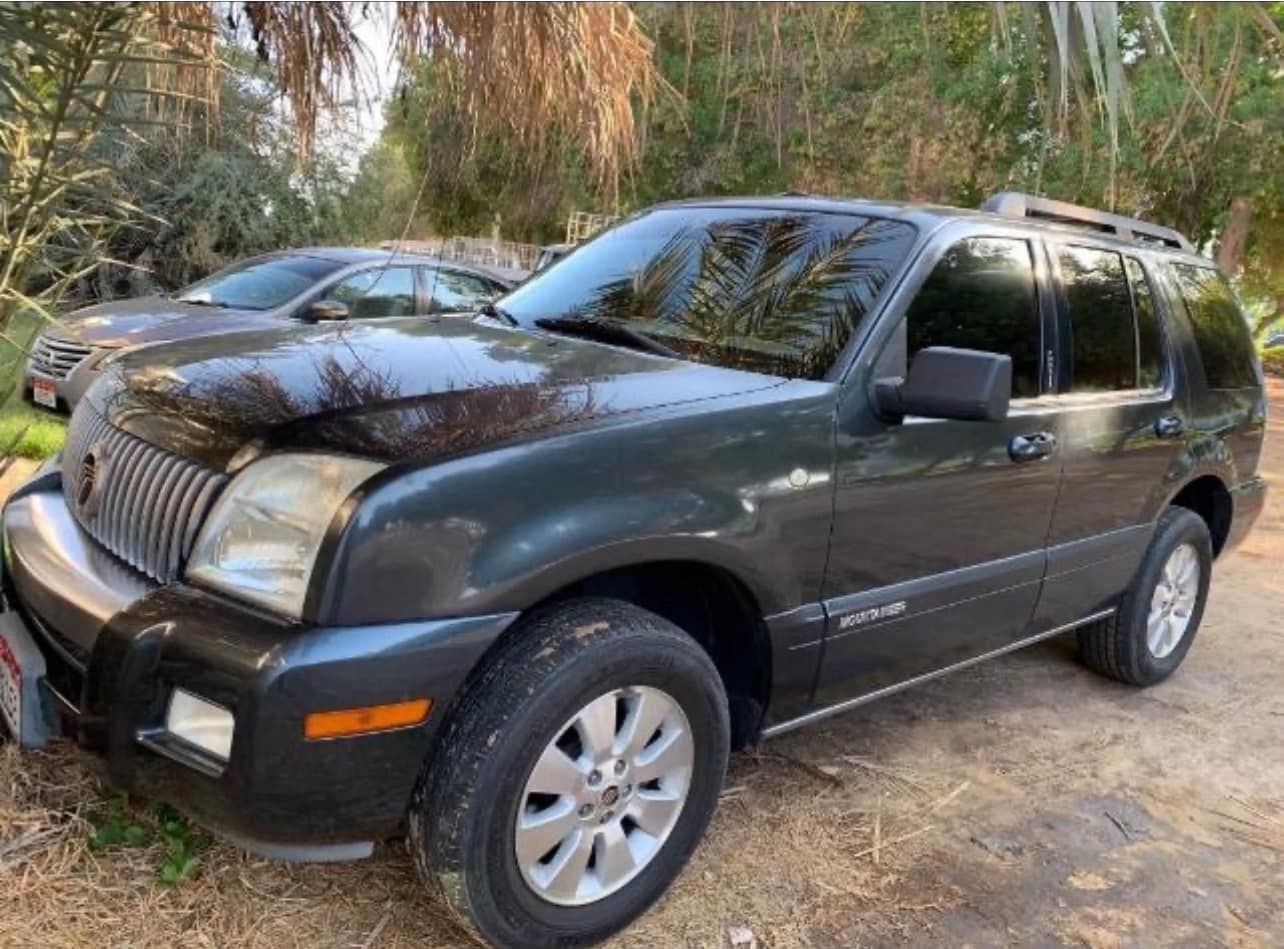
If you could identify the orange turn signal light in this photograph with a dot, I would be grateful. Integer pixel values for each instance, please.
(370, 718)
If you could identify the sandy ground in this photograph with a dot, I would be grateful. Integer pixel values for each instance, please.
(1024, 802)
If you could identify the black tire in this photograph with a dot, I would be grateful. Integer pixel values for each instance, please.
(1116, 647)
(462, 817)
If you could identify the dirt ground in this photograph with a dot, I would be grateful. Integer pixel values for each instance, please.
(1023, 802)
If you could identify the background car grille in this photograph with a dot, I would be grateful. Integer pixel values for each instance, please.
(57, 357)
(142, 503)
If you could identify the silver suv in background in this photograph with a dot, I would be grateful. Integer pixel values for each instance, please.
(310, 284)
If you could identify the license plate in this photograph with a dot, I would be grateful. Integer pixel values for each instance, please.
(43, 392)
(10, 689)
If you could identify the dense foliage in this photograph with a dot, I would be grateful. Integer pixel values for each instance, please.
(945, 103)
(932, 102)
(239, 191)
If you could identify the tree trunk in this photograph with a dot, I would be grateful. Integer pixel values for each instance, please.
(1230, 249)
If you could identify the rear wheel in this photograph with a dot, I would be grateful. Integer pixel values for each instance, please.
(1149, 635)
(576, 776)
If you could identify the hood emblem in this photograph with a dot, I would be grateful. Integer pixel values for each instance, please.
(90, 480)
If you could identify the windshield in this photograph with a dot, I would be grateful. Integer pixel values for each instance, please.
(777, 291)
(262, 283)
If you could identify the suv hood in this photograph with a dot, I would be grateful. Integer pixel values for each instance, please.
(412, 389)
(152, 320)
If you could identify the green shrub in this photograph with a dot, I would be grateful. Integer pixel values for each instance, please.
(1273, 360)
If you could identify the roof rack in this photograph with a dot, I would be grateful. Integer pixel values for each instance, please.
(1016, 204)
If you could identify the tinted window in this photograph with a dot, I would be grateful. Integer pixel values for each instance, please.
(771, 291)
(1149, 338)
(259, 284)
(375, 293)
(451, 290)
(1104, 343)
(1221, 333)
(981, 295)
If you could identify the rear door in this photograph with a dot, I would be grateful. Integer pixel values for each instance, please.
(1121, 424)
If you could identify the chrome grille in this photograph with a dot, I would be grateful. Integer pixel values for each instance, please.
(57, 357)
(142, 503)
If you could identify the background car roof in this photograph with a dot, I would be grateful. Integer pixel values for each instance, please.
(361, 255)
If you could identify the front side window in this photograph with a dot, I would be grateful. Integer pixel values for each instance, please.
(263, 283)
(376, 293)
(1221, 332)
(452, 291)
(775, 291)
(981, 295)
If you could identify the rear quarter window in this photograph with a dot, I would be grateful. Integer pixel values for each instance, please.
(1221, 332)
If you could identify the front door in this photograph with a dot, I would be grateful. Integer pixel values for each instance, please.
(938, 542)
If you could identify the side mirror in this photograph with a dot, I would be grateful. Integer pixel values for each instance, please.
(325, 311)
(943, 382)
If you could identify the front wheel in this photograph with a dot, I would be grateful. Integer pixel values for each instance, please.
(575, 778)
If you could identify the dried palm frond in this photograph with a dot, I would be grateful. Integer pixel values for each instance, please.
(314, 50)
(523, 69)
(533, 67)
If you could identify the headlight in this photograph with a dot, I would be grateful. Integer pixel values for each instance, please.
(260, 541)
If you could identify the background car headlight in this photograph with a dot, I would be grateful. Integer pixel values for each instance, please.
(260, 541)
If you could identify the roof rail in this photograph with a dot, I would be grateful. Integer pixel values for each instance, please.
(1016, 204)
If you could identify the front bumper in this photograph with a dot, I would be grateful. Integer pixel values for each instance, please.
(69, 388)
(115, 647)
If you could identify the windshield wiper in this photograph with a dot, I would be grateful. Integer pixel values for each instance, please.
(213, 303)
(498, 312)
(606, 331)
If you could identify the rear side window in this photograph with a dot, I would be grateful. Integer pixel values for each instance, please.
(1149, 336)
(1116, 342)
(1221, 333)
(1103, 335)
(981, 295)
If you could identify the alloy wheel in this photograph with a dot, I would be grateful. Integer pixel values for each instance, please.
(1173, 601)
(604, 795)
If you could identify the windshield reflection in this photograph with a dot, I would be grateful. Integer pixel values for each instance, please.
(261, 283)
(764, 290)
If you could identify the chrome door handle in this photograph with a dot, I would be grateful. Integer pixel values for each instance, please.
(1032, 447)
(1170, 426)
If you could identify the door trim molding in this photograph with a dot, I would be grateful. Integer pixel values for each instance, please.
(920, 596)
(822, 713)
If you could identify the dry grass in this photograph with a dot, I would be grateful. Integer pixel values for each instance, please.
(826, 815)
(60, 893)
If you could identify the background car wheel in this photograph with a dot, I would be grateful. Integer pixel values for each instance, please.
(1151, 632)
(575, 777)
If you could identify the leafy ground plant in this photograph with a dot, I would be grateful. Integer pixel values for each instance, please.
(116, 821)
(42, 433)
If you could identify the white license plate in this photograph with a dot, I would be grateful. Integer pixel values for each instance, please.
(10, 689)
(43, 392)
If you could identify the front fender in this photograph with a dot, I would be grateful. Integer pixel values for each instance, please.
(747, 488)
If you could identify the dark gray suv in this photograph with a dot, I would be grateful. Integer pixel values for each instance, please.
(514, 585)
